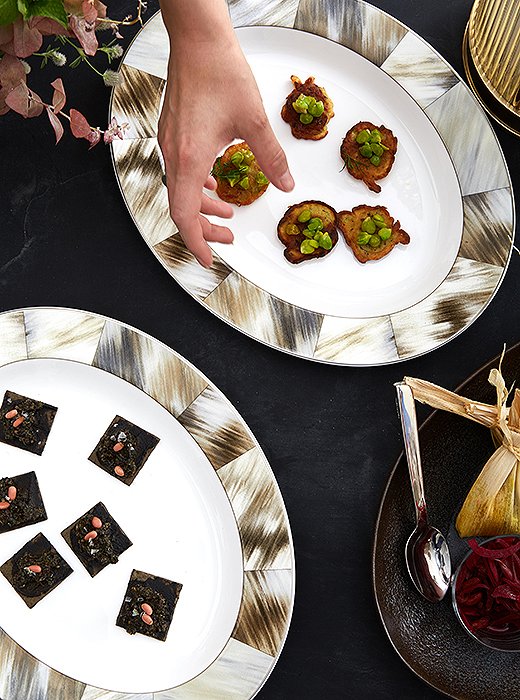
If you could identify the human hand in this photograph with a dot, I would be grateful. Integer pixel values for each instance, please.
(211, 98)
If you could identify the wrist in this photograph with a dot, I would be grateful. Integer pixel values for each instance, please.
(197, 23)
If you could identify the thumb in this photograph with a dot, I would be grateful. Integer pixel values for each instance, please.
(269, 154)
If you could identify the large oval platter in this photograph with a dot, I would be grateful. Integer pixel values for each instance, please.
(204, 511)
(449, 188)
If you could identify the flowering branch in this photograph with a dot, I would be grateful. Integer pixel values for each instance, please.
(24, 24)
(127, 21)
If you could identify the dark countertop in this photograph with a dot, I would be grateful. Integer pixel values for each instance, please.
(67, 240)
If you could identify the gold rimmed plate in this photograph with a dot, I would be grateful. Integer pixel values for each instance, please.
(487, 99)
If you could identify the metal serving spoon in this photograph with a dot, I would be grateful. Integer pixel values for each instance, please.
(427, 554)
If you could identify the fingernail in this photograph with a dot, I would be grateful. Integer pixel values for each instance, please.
(287, 182)
(204, 263)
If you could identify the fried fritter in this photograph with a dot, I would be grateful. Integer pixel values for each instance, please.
(369, 152)
(239, 178)
(371, 232)
(308, 109)
(308, 230)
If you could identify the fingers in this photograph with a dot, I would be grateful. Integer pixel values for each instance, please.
(211, 183)
(216, 207)
(214, 233)
(194, 238)
(186, 175)
(269, 153)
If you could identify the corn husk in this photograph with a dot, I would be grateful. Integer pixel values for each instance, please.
(492, 506)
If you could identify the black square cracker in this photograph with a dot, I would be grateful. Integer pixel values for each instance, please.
(109, 543)
(138, 444)
(32, 433)
(27, 507)
(160, 593)
(34, 587)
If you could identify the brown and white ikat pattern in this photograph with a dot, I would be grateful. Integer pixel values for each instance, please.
(137, 102)
(248, 657)
(474, 150)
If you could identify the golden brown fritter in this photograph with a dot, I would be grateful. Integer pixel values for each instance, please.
(364, 167)
(239, 181)
(317, 241)
(296, 116)
(371, 241)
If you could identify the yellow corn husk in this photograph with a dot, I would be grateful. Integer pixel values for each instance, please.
(492, 506)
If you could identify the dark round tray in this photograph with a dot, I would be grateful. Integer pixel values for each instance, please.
(427, 636)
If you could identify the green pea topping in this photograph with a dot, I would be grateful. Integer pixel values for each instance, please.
(237, 158)
(306, 248)
(300, 104)
(304, 216)
(306, 118)
(375, 136)
(378, 219)
(243, 168)
(377, 149)
(374, 241)
(315, 224)
(248, 157)
(375, 160)
(244, 183)
(314, 243)
(326, 241)
(292, 230)
(233, 180)
(363, 136)
(261, 179)
(368, 226)
(363, 238)
(385, 233)
(366, 150)
(316, 109)
(307, 233)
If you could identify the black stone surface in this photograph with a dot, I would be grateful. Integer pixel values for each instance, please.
(68, 240)
(162, 596)
(27, 508)
(37, 586)
(33, 432)
(110, 533)
(138, 444)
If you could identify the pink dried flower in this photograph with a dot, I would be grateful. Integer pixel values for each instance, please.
(114, 131)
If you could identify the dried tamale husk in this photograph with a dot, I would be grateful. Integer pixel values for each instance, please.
(437, 397)
(492, 506)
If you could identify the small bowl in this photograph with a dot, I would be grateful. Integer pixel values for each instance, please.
(499, 641)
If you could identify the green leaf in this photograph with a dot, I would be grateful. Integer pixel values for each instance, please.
(43, 8)
(8, 11)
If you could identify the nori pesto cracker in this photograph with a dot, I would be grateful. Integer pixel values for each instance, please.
(32, 433)
(137, 444)
(159, 593)
(105, 548)
(33, 587)
(27, 508)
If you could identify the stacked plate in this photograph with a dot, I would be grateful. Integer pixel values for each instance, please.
(492, 59)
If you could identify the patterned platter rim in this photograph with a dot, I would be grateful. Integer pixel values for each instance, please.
(256, 642)
(489, 217)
